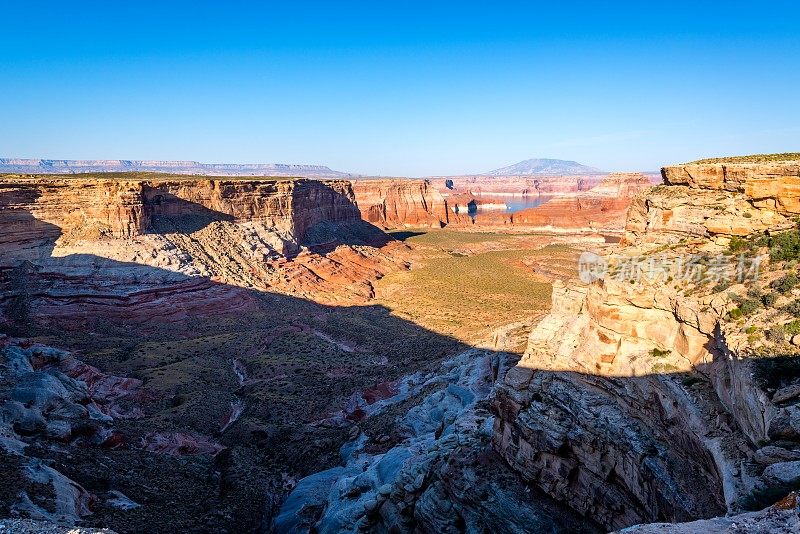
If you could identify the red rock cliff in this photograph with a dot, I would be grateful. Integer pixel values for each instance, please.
(397, 203)
(91, 208)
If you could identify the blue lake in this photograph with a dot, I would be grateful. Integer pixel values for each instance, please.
(514, 203)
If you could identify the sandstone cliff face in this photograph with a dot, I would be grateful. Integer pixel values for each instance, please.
(602, 208)
(716, 200)
(770, 186)
(631, 404)
(545, 185)
(137, 250)
(95, 208)
(399, 203)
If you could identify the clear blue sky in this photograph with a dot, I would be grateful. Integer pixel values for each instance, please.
(399, 88)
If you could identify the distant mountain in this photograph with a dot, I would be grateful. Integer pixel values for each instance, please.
(66, 166)
(545, 167)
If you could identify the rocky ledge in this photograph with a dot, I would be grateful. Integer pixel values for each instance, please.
(644, 399)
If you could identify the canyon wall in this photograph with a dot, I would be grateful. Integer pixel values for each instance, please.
(521, 185)
(125, 208)
(575, 204)
(399, 203)
(602, 208)
(638, 399)
(139, 250)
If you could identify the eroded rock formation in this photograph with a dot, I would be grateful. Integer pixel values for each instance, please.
(138, 250)
(602, 208)
(635, 401)
(399, 203)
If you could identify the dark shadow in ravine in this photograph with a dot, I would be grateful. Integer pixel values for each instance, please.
(200, 346)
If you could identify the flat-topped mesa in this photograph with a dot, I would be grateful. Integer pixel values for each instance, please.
(93, 208)
(400, 203)
(716, 200)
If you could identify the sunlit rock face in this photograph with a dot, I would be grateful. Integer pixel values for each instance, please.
(159, 250)
(601, 208)
(400, 203)
(635, 400)
(716, 200)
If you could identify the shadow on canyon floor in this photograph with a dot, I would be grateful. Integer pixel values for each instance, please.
(298, 369)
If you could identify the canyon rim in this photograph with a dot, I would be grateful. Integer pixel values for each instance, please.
(399, 268)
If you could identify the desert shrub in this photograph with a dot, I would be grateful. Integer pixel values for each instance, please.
(722, 285)
(776, 333)
(793, 308)
(745, 306)
(785, 246)
(792, 328)
(735, 314)
(738, 244)
(659, 353)
(747, 215)
(785, 283)
(768, 299)
(662, 367)
(751, 329)
(749, 306)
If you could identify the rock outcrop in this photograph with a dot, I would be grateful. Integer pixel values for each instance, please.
(716, 200)
(435, 472)
(770, 186)
(783, 517)
(128, 249)
(400, 203)
(94, 208)
(635, 401)
(602, 208)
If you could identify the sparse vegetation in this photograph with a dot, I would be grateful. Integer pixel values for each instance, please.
(785, 283)
(738, 244)
(792, 328)
(753, 158)
(784, 246)
(659, 353)
(793, 308)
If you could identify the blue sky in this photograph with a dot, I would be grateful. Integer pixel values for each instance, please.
(399, 88)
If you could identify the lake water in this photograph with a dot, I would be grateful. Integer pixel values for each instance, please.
(514, 203)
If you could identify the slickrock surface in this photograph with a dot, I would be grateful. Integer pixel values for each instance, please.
(435, 472)
(782, 518)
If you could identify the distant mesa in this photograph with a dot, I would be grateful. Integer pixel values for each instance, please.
(67, 166)
(545, 167)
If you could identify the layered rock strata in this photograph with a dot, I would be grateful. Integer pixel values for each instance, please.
(399, 203)
(126, 249)
(633, 402)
